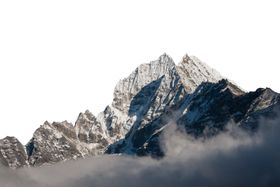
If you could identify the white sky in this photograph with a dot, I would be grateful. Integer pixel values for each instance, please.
(61, 57)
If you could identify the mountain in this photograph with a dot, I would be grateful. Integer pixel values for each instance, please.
(191, 95)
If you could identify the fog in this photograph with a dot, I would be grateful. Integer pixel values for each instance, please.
(233, 158)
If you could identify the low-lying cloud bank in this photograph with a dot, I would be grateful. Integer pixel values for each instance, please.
(233, 158)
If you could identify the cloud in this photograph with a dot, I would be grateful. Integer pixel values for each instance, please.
(233, 158)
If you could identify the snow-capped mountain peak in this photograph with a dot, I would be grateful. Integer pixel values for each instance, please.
(143, 104)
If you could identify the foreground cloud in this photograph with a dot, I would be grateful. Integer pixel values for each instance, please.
(233, 158)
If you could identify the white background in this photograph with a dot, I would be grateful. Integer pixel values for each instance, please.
(61, 57)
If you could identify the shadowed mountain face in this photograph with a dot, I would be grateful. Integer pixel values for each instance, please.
(204, 113)
(191, 95)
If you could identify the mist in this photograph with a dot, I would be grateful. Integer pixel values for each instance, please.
(232, 158)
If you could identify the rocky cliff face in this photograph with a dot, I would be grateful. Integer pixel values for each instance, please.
(191, 94)
(62, 141)
(193, 72)
(12, 153)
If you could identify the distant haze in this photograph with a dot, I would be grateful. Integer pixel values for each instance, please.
(58, 58)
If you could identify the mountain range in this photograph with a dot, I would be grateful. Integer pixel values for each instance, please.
(190, 95)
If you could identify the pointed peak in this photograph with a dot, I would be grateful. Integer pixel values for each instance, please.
(87, 112)
(192, 60)
(144, 74)
(233, 88)
(165, 55)
(224, 82)
(193, 72)
(266, 91)
(186, 58)
(87, 115)
(46, 123)
(65, 122)
(164, 58)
